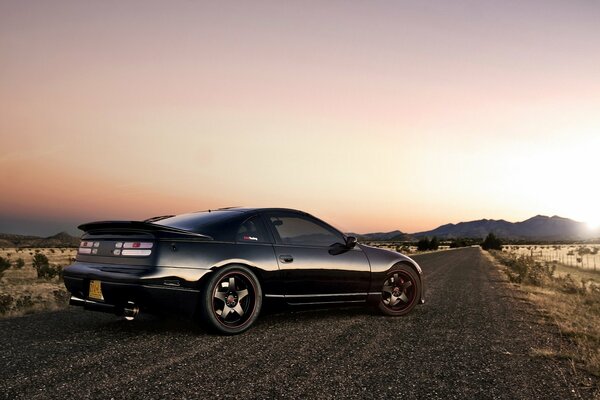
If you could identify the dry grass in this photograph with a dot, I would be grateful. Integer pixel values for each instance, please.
(21, 292)
(58, 255)
(571, 298)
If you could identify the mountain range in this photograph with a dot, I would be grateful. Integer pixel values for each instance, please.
(540, 227)
(61, 239)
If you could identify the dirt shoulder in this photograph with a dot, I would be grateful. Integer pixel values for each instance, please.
(568, 300)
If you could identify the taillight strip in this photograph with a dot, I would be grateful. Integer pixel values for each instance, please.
(138, 245)
(135, 252)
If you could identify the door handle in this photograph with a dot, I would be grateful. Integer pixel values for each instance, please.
(286, 258)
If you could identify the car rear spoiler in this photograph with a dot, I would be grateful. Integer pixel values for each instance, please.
(108, 226)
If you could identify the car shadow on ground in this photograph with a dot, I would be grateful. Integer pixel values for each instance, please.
(270, 316)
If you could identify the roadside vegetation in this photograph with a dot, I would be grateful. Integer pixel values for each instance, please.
(427, 244)
(423, 245)
(31, 279)
(569, 296)
(491, 242)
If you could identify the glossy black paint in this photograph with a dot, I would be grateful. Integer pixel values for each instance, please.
(172, 277)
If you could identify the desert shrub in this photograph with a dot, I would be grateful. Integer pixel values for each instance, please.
(540, 274)
(567, 284)
(49, 271)
(61, 296)
(584, 250)
(4, 265)
(43, 268)
(6, 301)
(518, 267)
(20, 263)
(491, 242)
(39, 260)
(525, 269)
(24, 302)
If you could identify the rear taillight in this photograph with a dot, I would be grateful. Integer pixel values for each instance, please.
(133, 249)
(88, 247)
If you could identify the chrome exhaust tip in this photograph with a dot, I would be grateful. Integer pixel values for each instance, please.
(130, 311)
(76, 301)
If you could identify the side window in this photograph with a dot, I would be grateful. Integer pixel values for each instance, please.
(302, 231)
(252, 231)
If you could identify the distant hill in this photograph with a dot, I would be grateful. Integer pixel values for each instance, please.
(540, 227)
(384, 236)
(61, 239)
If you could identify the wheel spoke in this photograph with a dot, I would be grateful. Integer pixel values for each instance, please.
(232, 283)
(403, 298)
(220, 295)
(238, 309)
(242, 293)
(395, 278)
(393, 300)
(387, 289)
(406, 285)
(226, 311)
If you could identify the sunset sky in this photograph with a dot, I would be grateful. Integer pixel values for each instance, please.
(374, 116)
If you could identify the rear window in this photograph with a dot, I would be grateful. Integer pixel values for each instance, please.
(220, 225)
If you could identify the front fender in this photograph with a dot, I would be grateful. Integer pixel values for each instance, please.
(382, 261)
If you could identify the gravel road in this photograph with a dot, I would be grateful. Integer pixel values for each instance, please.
(472, 339)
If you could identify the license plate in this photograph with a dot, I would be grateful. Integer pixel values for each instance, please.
(96, 290)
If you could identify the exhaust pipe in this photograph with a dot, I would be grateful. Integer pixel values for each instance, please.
(92, 305)
(130, 311)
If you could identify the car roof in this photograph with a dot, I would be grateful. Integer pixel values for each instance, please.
(247, 210)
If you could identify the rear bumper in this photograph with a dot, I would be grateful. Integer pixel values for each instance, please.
(153, 289)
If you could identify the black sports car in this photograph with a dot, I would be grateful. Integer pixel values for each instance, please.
(222, 264)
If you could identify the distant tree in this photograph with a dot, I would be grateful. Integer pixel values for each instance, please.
(434, 244)
(20, 263)
(458, 243)
(423, 244)
(491, 242)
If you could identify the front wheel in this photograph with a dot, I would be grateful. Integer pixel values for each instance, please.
(232, 300)
(400, 291)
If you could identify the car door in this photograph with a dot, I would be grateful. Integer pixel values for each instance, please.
(313, 261)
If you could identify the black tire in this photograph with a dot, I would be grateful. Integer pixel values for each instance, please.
(400, 291)
(232, 300)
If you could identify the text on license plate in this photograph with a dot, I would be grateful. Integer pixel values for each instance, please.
(95, 290)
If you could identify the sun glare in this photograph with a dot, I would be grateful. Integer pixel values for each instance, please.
(592, 219)
(593, 224)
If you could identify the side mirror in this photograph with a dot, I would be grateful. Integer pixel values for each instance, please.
(351, 242)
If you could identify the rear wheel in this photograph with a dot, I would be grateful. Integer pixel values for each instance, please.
(232, 300)
(400, 291)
